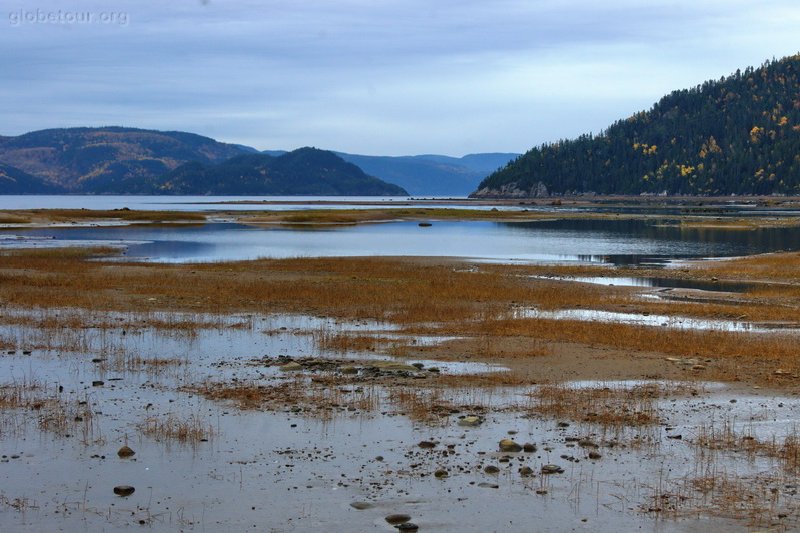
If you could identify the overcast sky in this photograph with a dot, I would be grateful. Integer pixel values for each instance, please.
(371, 76)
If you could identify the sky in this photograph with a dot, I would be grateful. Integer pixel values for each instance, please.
(370, 76)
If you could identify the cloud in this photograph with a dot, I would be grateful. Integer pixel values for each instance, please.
(374, 77)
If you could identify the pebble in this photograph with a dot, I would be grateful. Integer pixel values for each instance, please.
(398, 518)
(124, 490)
(552, 469)
(125, 452)
(508, 445)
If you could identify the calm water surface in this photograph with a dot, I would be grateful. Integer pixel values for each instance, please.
(598, 241)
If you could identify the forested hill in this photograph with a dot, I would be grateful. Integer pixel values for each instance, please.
(738, 135)
(305, 171)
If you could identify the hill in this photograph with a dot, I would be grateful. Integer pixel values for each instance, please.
(106, 160)
(306, 171)
(737, 135)
(434, 175)
(15, 181)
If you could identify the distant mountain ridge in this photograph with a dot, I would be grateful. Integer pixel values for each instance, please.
(109, 159)
(434, 175)
(738, 135)
(121, 160)
(305, 171)
(428, 174)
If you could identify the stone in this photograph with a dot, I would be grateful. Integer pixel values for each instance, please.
(491, 469)
(125, 452)
(408, 526)
(291, 367)
(595, 455)
(97, 383)
(529, 448)
(508, 445)
(552, 469)
(348, 370)
(489, 485)
(441, 473)
(124, 490)
(361, 506)
(526, 471)
(426, 444)
(470, 421)
(398, 518)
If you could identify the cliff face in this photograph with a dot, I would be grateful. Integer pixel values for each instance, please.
(512, 190)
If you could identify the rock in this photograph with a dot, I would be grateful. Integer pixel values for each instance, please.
(124, 490)
(418, 366)
(529, 448)
(392, 366)
(508, 445)
(441, 473)
(361, 506)
(348, 370)
(396, 519)
(470, 421)
(97, 383)
(426, 444)
(425, 224)
(552, 469)
(587, 443)
(526, 471)
(491, 469)
(595, 455)
(563, 424)
(541, 492)
(291, 367)
(408, 526)
(125, 452)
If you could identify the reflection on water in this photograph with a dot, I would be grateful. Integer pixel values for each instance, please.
(598, 241)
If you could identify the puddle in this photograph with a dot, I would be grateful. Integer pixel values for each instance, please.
(654, 320)
(701, 285)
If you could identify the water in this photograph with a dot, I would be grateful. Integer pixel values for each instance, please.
(620, 242)
(238, 203)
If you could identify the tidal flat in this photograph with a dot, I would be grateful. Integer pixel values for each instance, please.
(334, 393)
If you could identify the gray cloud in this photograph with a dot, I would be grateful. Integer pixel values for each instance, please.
(374, 77)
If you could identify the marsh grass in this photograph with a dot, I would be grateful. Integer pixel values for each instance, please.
(323, 397)
(72, 418)
(421, 405)
(173, 428)
(612, 406)
(726, 438)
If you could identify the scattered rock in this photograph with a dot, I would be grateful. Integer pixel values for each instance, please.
(488, 485)
(508, 445)
(426, 444)
(291, 367)
(125, 452)
(398, 518)
(470, 421)
(425, 224)
(491, 469)
(124, 490)
(408, 526)
(552, 469)
(441, 473)
(541, 492)
(97, 383)
(529, 448)
(595, 455)
(361, 506)
(526, 471)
